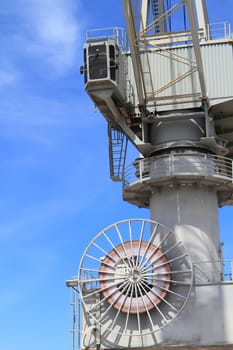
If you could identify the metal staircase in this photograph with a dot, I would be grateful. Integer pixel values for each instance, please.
(117, 152)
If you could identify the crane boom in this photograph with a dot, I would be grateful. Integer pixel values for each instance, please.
(135, 50)
(154, 35)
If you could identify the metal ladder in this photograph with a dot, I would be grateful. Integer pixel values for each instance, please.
(117, 152)
(155, 13)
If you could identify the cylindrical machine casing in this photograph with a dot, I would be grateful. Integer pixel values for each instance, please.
(178, 130)
(191, 211)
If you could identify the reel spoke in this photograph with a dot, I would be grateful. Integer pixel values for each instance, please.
(135, 277)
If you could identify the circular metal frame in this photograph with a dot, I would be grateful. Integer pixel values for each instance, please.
(135, 291)
(135, 277)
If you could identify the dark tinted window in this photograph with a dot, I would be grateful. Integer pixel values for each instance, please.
(112, 62)
(97, 62)
(85, 65)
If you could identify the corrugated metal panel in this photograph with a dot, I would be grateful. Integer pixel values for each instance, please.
(218, 65)
(218, 68)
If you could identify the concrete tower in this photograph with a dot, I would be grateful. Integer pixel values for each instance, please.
(160, 282)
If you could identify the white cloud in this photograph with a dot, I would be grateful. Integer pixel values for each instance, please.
(54, 31)
(45, 31)
(45, 121)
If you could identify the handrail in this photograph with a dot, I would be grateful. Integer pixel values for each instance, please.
(113, 33)
(219, 30)
(205, 273)
(211, 271)
(179, 165)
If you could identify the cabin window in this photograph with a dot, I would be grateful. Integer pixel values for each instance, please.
(85, 65)
(97, 60)
(112, 62)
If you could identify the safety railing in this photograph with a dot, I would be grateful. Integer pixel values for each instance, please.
(89, 277)
(119, 35)
(189, 165)
(205, 272)
(213, 271)
(218, 30)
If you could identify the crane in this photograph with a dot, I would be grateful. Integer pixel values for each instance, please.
(133, 104)
(167, 88)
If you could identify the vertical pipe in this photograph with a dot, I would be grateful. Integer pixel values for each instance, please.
(231, 270)
(74, 319)
(232, 171)
(140, 170)
(79, 324)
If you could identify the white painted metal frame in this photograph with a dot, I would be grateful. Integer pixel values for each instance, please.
(208, 166)
(143, 42)
(119, 266)
(135, 51)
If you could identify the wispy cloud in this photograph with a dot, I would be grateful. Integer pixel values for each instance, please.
(42, 120)
(53, 32)
(44, 31)
(40, 40)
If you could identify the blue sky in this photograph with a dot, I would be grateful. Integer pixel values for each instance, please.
(55, 188)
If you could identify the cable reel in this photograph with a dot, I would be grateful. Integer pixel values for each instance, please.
(135, 277)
